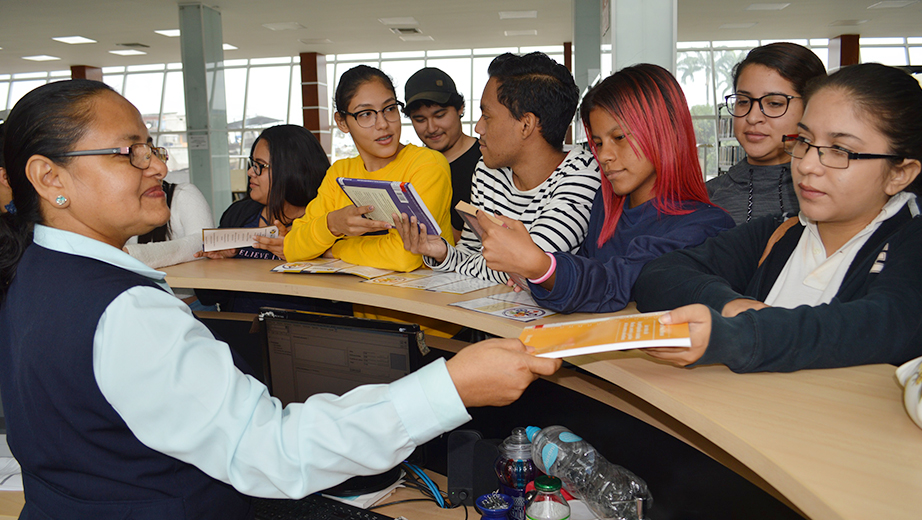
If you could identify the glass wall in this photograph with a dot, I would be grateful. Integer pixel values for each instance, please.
(265, 92)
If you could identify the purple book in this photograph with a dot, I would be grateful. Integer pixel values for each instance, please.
(389, 198)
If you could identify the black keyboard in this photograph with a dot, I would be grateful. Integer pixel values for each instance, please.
(311, 507)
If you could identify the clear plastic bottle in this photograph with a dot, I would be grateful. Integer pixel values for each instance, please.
(608, 490)
(515, 470)
(548, 503)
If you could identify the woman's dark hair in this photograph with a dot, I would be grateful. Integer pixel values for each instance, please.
(47, 121)
(536, 83)
(297, 166)
(792, 62)
(890, 98)
(354, 78)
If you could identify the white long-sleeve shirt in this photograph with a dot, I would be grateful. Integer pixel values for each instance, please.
(189, 214)
(177, 389)
(556, 212)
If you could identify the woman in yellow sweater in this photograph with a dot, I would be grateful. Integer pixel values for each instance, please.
(367, 108)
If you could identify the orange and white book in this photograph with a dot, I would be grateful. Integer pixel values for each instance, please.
(575, 338)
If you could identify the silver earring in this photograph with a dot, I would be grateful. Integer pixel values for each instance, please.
(60, 200)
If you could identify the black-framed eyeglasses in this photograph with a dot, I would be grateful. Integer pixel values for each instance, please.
(831, 156)
(772, 105)
(139, 154)
(368, 118)
(256, 166)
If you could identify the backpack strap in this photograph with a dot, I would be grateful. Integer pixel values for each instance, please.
(776, 236)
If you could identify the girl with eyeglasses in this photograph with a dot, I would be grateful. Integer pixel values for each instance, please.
(285, 168)
(368, 110)
(118, 402)
(652, 199)
(840, 285)
(767, 102)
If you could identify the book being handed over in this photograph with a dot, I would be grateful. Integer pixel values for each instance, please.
(574, 338)
(389, 198)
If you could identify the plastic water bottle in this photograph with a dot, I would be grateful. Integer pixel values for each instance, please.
(548, 503)
(515, 470)
(608, 490)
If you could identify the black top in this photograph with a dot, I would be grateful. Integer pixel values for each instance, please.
(462, 171)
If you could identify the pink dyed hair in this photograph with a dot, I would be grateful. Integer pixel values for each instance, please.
(648, 103)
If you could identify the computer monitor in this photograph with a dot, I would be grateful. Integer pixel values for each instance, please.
(310, 353)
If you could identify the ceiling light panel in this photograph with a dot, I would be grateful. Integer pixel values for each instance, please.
(169, 33)
(766, 7)
(400, 20)
(128, 52)
(527, 32)
(41, 57)
(417, 38)
(283, 26)
(73, 40)
(892, 4)
(738, 25)
(228, 47)
(847, 23)
(517, 15)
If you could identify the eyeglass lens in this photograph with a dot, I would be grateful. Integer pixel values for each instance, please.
(772, 105)
(831, 157)
(367, 118)
(255, 166)
(139, 155)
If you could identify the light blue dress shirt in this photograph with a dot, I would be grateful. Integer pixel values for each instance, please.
(177, 389)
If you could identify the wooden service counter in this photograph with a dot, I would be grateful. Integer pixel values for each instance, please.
(834, 443)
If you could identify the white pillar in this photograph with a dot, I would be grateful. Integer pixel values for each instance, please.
(201, 42)
(587, 42)
(644, 31)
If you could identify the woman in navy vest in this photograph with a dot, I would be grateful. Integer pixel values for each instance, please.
(119, 404)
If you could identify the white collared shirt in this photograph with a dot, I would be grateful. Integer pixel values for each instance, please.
(810, 277)
(177, 389)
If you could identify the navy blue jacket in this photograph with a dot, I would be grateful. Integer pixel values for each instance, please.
(599, 279)
(79, 459)
(874, 317)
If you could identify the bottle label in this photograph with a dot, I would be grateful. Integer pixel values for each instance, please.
(517, 511)
(569, 437)
(549, 455)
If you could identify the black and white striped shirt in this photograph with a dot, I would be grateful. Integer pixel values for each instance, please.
(556, 212)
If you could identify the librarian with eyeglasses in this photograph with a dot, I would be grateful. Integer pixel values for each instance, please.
(118, 402)
(367, 109)
(840, 284)
(766, 104)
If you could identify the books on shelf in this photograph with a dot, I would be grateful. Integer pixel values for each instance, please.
(625, 332)
(389, 198)
(330, 265)
(232, 238)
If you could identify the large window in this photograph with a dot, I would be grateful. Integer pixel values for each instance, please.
(263, 92)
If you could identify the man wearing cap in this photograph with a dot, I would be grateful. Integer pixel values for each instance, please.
(435, 107)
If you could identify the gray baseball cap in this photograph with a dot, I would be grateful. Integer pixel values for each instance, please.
(430, 84)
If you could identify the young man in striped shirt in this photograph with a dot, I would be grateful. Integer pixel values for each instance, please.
(525, 174)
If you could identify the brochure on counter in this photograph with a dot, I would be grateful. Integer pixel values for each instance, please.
(232, 238)
(435, 281)
(389, 198)
(626, 332)
(328, 266)
(519, 306)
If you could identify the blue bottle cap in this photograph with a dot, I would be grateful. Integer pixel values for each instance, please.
(531, 431)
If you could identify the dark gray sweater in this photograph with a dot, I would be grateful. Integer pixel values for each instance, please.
(747, 191)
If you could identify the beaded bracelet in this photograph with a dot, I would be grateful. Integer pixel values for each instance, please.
(549, 272)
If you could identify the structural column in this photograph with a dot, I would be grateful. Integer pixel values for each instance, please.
(85, 72)
(844, 50)
(643, 31)
(314, 98)
(587, 42)
(206, 106)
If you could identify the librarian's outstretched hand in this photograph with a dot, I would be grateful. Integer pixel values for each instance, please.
(349, 221)
(698, 318)
(417, 241)
(495, 372)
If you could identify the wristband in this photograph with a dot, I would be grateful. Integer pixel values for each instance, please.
(550, 271)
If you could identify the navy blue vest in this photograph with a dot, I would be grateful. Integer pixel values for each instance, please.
(79, 459)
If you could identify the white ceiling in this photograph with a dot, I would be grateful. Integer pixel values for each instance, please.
(27, 26)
